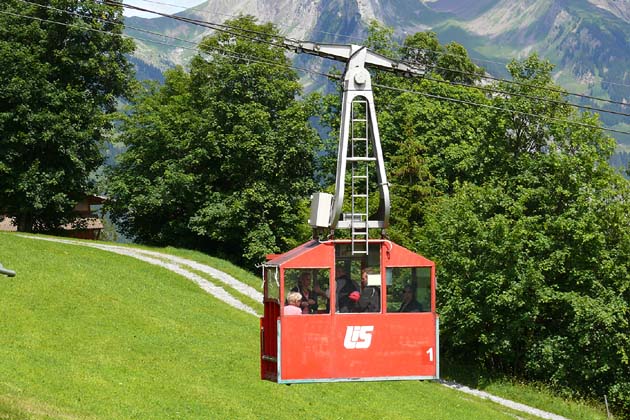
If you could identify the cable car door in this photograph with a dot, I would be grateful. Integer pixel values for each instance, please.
(269, 324)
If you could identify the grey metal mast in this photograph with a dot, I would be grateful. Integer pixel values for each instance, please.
(359, 144)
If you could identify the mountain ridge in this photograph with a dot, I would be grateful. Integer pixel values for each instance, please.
(587, 40)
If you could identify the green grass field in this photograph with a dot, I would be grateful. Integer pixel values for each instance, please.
(89, 334)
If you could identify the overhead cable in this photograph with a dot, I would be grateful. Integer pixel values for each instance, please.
(498, 108)
(336, 77)
(196, 9)
(502, 63)
(230, 29)
(529, 85)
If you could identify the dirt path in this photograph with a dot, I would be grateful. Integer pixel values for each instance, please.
(176, 264)
(507, 403)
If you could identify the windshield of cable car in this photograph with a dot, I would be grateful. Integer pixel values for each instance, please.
(313, 289)
(357, 279)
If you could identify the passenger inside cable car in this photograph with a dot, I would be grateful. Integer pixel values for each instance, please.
(370, 297)
(409, 304)
(293, 304)
(409, 289)
(308, 303)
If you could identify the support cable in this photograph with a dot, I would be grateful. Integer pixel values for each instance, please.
(330, 76)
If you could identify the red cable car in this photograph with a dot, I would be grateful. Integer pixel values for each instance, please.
(356, 309)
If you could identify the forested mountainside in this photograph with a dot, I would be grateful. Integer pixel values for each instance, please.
(588, 41)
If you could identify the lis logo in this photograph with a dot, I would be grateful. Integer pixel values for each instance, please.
(358, 337)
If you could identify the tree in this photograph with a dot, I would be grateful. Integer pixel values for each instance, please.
(430, 144)
(451, 62)
(533, 255)
(422, 48)
(220, 158)
(62, 68)
(455, 65)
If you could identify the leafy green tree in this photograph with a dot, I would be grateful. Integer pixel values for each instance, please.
(455, 65)
(156, 184)
(380, 39)
(62, 68)
(430, 144)
(422, 48)
(533, 255)
(451, 62)
(220, 158)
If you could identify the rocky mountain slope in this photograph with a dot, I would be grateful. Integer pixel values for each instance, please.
(587, 40)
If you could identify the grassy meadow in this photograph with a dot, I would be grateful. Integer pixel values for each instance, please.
(89, 334)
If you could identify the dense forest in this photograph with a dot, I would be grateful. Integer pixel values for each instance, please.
(511, 194)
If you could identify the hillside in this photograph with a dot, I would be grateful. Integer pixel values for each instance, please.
(587, 40)
(93, 334)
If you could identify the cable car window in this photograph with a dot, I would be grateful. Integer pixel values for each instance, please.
(408, 289)
(312, 285)
(351, 272)
(272, 277)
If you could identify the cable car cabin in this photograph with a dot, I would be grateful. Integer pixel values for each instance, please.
(359, 309)
(386, 330)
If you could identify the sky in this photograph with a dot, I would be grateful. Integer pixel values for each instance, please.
(163, 6)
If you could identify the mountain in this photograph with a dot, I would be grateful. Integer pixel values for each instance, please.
(587, 40)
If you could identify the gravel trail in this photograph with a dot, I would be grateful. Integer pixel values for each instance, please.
(507, 403)
(174, 263)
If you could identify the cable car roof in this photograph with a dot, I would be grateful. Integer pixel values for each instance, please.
(316, 254)
(312, 254)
